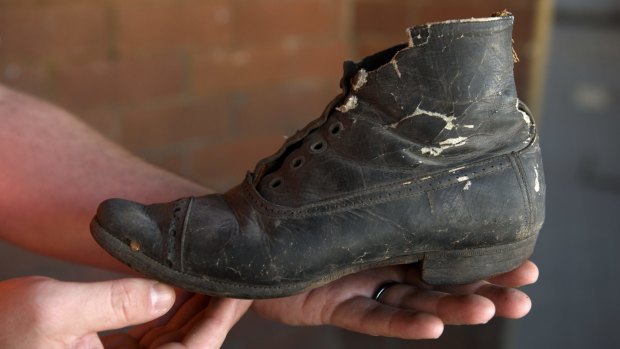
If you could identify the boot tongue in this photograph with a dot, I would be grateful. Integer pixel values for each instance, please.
(353, 77)
(273, 162)
(349, 69)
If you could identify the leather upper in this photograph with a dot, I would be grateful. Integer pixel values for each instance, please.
(427, 149)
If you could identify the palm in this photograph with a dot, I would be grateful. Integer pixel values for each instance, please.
(410, 309)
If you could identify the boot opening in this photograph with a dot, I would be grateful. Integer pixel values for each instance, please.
(379, 59)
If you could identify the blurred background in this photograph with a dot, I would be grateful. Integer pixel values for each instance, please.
(205, 88)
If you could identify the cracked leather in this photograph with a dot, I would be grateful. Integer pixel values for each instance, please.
(426, 149)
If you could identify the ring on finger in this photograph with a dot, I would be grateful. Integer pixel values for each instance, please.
(382, 290)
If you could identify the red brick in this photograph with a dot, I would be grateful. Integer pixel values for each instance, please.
(383, 17)
(42, 3)
(370, 44)
(103, 120)
(441, 10)
(281, 110)
(523, 31)
(33, 79)
(267, 65)
(204, 120)
(223, 166)
(119, 82)
(164, 25)
(434, 13)
(522, 78)
(34, 32)
(175, 163)
(272, 20)
(324, 61)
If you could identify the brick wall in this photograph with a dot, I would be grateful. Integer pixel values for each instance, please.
(207, 87)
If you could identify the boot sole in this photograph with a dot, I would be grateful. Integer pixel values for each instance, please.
(437, 267)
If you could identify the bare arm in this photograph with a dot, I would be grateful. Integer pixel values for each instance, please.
(54, 172)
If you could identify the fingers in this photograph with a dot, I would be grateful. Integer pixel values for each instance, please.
(189, 310)
(202, 322)
(525, 274)
(219, 317)
(181, 298)
(467, 304)
(113, 304)
(185, 313)
(452, 309)
(368, 316)
(509, 302)
(410, 309)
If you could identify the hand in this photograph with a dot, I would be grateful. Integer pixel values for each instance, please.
(196, 321)
(410, 309)
(39, 312)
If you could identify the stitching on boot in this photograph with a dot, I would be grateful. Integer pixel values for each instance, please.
(377, 195)
(527, 197)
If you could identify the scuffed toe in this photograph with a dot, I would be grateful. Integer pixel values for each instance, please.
(130, 223)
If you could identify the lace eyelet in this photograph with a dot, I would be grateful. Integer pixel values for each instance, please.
(335, 128)
(276, 182)
(318, 147)
(297, 162)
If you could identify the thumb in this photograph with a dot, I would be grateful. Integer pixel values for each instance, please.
(219, 317)
(116, 304)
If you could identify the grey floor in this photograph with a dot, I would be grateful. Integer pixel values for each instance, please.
(577, 299)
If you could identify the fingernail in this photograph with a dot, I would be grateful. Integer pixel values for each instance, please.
(162, 297)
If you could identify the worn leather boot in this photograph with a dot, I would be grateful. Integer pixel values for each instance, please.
(426, 156)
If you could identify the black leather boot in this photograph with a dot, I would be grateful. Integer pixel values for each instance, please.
(426, 156)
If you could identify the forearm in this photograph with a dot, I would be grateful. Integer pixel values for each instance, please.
(56, 170)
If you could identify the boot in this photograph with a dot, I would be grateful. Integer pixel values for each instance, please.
(426, 156)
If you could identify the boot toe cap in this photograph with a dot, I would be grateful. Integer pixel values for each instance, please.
(130, 223)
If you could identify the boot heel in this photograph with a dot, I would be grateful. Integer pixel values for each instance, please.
(470, 265)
